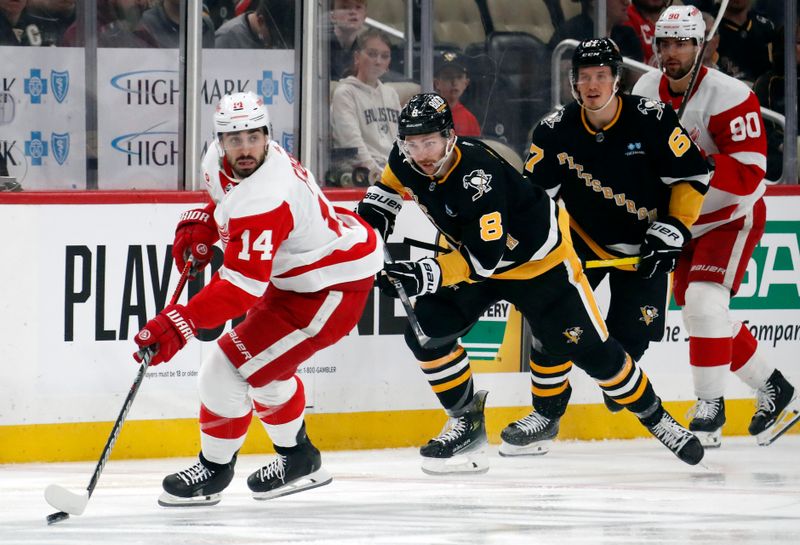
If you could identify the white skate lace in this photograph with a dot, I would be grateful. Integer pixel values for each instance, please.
(671, 433)
(453, 429)
(704, 409)
(276, 467)
(765, 399)
(532, 423)
(195, 474)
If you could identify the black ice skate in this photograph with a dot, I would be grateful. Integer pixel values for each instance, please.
(708, 416)
(461, 446)
(293, 470)
(200, 484)
(529, 436)
(675, 437)
(778, 409)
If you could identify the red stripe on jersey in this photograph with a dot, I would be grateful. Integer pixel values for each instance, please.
(221, 427)
(286, 412)
(359, 251)
(717, 215)
(710, 352)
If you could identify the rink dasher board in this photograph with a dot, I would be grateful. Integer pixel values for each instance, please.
(67, 356)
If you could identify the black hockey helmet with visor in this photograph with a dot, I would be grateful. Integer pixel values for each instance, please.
(426, 113)
(595, 52)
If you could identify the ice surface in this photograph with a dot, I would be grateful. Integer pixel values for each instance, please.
(611, 492)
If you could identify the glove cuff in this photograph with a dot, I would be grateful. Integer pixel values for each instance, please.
(678, 224)
(431, 275)
(181, 320)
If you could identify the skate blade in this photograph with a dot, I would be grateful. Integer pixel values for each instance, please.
(320, 477)
(168, 500)
(709, 439)
(471, 462)
(788, 418)
(539, 448)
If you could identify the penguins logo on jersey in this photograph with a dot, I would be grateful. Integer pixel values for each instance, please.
(649, 314)
(479, 180)
(647, 105)
(573, 334)
(553, 118)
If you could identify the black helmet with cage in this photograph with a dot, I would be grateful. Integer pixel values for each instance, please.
(425, 113)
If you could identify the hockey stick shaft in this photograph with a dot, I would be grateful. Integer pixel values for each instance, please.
(426, 245)
(422, 338)
(147, 355)
(618, 262)
(699, 63)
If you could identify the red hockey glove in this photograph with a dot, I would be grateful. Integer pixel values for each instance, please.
(166, 334)
(195, 234)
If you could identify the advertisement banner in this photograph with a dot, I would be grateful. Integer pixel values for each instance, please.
(138, 117)
(76, 294)
(43, 117)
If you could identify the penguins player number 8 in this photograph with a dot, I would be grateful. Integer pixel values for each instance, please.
(491, 226)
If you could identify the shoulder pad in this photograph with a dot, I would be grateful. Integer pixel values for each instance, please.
(651, 106)
(551, 119)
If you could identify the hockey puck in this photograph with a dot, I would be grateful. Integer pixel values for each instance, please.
(57, 517)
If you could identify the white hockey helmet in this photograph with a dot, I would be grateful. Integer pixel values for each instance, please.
(240, 112)
(682, 22)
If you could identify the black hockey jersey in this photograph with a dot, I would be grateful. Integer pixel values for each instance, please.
(616, 181)
(501, 225)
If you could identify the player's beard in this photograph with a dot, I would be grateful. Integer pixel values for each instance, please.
(245, 172)
(679, 72)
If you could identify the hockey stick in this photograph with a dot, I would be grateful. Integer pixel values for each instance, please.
(696, 70)
(426, 245)
(618, 262)
(68, 503)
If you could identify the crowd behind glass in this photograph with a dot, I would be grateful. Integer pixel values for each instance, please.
(491, 58)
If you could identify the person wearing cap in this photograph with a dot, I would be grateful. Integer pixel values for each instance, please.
(450, 80)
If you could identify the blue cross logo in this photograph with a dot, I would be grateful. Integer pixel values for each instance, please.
(35, 86)
(634, 146)
(36, 148)
(267, 87)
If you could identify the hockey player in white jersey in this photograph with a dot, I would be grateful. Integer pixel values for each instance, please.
(299, 267)
(723, 118)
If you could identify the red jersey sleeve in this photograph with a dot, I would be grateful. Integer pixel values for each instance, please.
(739, 135)
(252, 242)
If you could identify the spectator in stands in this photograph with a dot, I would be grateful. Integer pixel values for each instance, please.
(581, 27)
(51, 17)
(710, 55)
(769, 90)
(161, 24)
(348, 18)
(744, 39)
(11, 32)
(117, 21)
(364, 111)
(450, 80)
(642, 17)
(221, 10)
(255, 29)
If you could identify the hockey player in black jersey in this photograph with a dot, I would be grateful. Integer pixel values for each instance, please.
(511, 242)
(633, 183)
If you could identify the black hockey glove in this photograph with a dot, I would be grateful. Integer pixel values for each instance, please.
(379, 208)
(662, 245)
(417, 277)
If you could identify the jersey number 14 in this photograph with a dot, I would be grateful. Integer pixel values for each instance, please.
(262, 243)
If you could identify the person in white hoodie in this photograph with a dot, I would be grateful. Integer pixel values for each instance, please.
(364, 111)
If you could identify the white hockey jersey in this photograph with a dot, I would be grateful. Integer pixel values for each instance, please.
(276, 226)
(723, 117)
